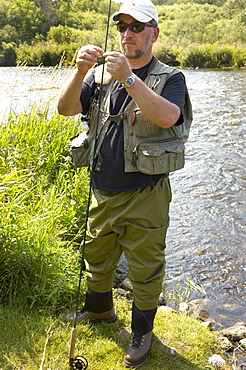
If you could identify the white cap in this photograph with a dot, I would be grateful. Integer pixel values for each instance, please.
(141, 10)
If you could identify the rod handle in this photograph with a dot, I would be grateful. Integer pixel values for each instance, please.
(72, 343)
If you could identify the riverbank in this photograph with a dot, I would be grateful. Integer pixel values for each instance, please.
(40, 339)
(192, 55)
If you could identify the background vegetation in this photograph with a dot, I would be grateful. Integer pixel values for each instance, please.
(195, 33)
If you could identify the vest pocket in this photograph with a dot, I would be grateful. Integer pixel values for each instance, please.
(80, 150)
(159, 156)
(143, 126)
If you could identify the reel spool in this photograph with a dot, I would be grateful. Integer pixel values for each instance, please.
(78, 363)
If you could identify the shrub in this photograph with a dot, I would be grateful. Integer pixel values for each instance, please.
(166, 54)
(211, 56)
(60, 34)
(239, 56)
(9, 34)
(46, 54)
(191, 56)
(8, 55)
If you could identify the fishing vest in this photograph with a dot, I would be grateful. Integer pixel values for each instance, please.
(148, 148)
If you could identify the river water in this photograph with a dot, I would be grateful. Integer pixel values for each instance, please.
(206, 241)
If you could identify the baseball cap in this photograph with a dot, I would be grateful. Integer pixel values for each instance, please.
(141, 10)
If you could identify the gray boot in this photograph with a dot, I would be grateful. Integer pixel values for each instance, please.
(107, 316)
(139, 346)
(138, 349)
(98, 307)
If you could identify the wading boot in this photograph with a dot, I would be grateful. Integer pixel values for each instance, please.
(138, 349)
(107, 316)
(98, 307)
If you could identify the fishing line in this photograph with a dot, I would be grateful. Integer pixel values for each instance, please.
(80, 362)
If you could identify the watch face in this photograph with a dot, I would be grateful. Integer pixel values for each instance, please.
(129, 81)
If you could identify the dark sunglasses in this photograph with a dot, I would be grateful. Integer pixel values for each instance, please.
(135, 27)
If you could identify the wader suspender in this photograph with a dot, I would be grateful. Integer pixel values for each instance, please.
(80, 362)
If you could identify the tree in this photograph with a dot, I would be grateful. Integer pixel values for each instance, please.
(3, 14)
(26, 17)
(9, 34)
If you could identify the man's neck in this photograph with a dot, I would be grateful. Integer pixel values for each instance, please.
(141, 62)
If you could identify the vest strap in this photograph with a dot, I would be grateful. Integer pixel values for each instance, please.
(118, 117)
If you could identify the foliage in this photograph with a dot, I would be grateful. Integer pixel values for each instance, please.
(8, 34)
(47, 54)
(43, 202)
(30, 18)
(43, 30)
(188, 23)
(166, 54)
(181, 19)
(183, 292)
(25, 17)
(202, 56)
(212, 56)
(8, 54)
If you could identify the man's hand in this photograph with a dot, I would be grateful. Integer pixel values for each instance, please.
(69, 102)
(117, 65)
(87, 57)
(158, 110)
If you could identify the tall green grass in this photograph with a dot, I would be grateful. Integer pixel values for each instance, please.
(42, 210)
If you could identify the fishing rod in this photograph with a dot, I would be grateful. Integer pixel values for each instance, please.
(80, 362)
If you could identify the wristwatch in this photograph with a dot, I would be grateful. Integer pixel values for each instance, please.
(130, 80)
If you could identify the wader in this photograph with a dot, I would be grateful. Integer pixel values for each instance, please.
(135, 223)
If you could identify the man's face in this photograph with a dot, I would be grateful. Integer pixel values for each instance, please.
(135, 45)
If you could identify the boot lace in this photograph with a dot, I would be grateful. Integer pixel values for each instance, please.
(136, 340)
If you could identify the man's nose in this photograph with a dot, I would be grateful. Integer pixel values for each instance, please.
(128, 32)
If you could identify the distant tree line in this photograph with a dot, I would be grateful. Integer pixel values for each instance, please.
(30, 29)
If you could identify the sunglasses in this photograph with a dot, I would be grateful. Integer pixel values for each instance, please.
(135, 27)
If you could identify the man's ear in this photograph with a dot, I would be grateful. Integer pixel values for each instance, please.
(155, 34)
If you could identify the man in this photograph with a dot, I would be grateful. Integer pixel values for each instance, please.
(141, 105)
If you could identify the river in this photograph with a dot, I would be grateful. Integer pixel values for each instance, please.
(206, 241)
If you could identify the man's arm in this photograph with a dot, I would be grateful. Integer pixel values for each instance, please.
(158, 109)
(69, 103)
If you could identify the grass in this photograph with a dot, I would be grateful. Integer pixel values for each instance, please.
(40, 340)
(42, 210)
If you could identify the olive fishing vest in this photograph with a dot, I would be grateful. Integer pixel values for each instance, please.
(148, 148)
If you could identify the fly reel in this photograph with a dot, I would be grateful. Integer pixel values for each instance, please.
(78, 363)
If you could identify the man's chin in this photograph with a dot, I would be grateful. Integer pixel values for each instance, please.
(133, 55)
